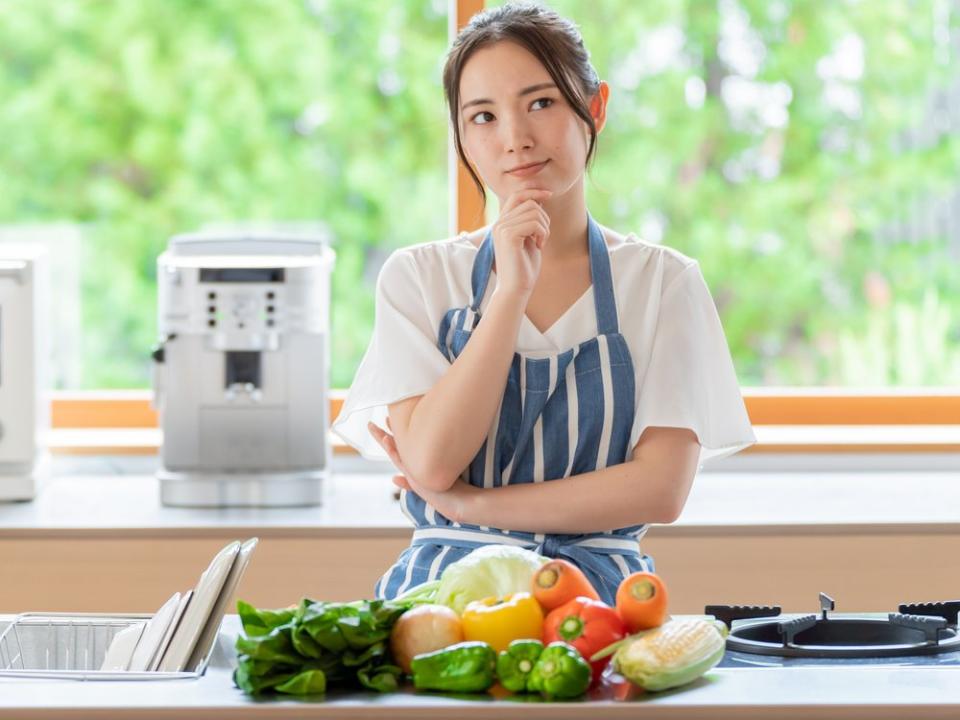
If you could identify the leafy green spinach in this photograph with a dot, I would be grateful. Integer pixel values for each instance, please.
(305, 650)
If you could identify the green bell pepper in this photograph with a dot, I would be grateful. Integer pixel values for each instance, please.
(465, 667)
(515, 664)
(560, 672)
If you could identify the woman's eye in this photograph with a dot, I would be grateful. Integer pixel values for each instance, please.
(478, 119)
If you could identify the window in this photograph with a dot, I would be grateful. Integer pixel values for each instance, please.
(126, 124)
(805, 154)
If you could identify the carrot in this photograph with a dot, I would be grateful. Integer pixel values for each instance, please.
(642, 601)
(558, 582)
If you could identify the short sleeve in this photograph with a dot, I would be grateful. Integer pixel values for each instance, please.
(690, 381)
(403, 359)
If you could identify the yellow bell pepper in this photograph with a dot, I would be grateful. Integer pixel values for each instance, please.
(499, 621)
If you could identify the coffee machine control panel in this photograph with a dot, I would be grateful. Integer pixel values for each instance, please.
(236, 309)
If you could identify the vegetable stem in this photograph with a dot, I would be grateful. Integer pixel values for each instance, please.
(547, 578)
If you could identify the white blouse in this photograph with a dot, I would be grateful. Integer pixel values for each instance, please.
(684, 373)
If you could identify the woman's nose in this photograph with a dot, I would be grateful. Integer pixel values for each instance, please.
(516, 135)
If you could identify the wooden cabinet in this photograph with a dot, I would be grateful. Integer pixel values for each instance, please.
(864, 570)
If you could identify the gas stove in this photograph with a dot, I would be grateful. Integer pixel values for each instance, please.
(919, 634)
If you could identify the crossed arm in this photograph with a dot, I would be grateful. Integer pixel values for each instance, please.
(651, 487)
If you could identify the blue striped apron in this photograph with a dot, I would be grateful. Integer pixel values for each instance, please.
(565, 414)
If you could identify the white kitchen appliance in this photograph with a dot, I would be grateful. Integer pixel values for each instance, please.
(241, 372)
(24, 401)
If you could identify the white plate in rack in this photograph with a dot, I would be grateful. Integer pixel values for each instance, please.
(117, 658)
(153, 634)
(195, 618)
(210, 631)
(172, 628)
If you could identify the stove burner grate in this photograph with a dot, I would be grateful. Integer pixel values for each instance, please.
(917, 629)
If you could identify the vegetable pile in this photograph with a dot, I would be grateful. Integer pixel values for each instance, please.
(485, 621)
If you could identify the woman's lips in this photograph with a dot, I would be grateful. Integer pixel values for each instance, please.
(528, 170)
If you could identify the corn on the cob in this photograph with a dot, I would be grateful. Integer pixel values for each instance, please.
(676, 653)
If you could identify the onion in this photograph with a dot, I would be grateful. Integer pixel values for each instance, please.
(424, 629)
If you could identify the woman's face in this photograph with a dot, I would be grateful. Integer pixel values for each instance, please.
(512, 114)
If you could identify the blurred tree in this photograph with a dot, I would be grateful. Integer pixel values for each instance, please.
(783, 144)
(143, 119)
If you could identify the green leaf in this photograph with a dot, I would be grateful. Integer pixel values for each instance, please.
(262, 668)
(353, 659)
(261, 622)
(422, 593)
(385, 678)
(322, 623)
(277, 647)
(304, 644)
(254, 683)
(308, 682)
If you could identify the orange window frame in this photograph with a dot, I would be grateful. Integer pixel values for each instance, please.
(765, 406)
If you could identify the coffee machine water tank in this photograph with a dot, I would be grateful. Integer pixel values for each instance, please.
(24, 400)
(241, 372)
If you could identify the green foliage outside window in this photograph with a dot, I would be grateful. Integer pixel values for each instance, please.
(782, 144)
(143, 119)
(794, 148)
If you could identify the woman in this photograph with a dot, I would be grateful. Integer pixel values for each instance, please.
(546, 382)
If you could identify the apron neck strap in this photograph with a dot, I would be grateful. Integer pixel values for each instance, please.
(600, 275)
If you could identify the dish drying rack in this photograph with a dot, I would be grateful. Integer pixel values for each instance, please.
(72, 646)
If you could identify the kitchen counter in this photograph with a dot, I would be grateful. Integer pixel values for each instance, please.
(129, 505)
(362, 503)
(808, 692)
(97, 540)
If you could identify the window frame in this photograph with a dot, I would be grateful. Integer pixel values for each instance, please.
(786, 420)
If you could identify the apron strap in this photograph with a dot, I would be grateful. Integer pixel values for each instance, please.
(603, 295)
(600, 274)
(482, 266)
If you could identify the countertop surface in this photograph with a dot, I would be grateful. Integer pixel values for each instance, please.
(362, 503)
(807, 692)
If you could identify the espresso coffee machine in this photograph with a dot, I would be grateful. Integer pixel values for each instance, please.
(24, 400)
(242, 368)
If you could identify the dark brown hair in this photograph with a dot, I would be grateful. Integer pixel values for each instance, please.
(553, 40)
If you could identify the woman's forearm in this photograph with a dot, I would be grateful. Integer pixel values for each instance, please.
(451, 421)
(630, 493)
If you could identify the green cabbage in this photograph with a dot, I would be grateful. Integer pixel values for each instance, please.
(491, 570)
